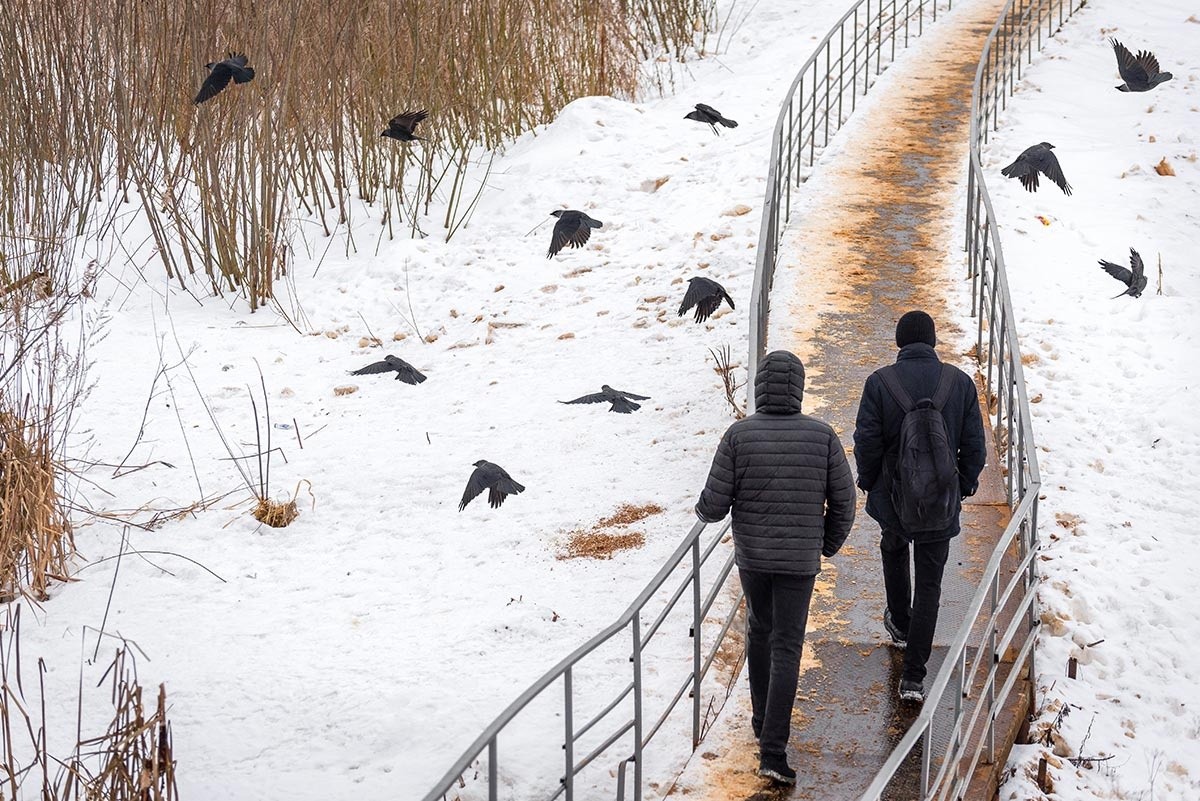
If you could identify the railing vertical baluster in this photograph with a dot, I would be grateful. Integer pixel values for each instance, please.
(569, 742)
(696, 659)
(637, 707)
(493, 773)
(827, 65)
(926, 757)
(812, 123)
(841, 71)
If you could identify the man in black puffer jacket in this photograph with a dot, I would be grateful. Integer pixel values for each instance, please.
(911, 623)
(786, 477)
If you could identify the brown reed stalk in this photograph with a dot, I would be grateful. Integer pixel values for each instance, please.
(103, 111)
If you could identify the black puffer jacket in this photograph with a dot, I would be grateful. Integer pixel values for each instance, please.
(786, 476)
(877, 432)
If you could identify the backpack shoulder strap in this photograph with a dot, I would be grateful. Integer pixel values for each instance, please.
(944, 386)
(896, 389)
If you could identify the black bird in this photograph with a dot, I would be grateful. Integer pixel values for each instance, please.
(1034, 160)
(493, 478)
(1135, 279)
(220, 73)
(706, 295)
(404, 371)
(573, 228)
(402, 125)
(622, 402)
(1140, 72)
(711, 116)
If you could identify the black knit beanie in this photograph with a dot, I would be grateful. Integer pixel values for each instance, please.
(915, 326)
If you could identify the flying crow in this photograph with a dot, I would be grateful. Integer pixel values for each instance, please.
(404, 371)
(1034, 160)
(220, 73)
(711, 116)
(706, 295)
(1135, 280)
(622, 402)
(573, 228)
(494, 479)
(402, 125)
(1139, 72)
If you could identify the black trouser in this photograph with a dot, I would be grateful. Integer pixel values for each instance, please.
(914, 608)
(777, 613)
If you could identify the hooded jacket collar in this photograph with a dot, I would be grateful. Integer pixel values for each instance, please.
(779, 383)
(916, 350)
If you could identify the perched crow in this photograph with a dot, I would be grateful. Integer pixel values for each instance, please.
(1135, 279)
(706, 295)
(494, 479)
(220, 73)
(573, 228)
(402, 125)
(1034, 160)
(1139, 72)
(621, 401)
(404, 371)
(711, 116)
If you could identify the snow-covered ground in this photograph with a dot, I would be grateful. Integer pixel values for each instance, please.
(1115, 387)
(367, 643)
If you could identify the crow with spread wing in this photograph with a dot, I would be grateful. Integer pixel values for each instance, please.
(220, 73)
(1034, 160)
(401, 126)
(1134, 279)
(1140, 73)
(573, 228)
(622, 402)
(404, 371)
(709, 115)
(706, 295)
(493, 478)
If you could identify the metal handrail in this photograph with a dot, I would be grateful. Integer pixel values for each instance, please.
(819, 102)
(629, 621)
(1017, 33)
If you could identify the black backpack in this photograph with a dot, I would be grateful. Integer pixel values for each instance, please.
(924, 483)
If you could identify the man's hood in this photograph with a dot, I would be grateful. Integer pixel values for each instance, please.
(779, 383)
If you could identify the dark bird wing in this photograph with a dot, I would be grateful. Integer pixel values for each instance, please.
(407, 121)
(1139, 269)
(708, 111)
(1147, 64)
(569, 231)
(1132, 71)
(596, 397)
(218, 78)
(697, 290)
(480, 480)
(374, 367)
(1048, 163)
(1118, 272)
(237, 59)
(631, 396)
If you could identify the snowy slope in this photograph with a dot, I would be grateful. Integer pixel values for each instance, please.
(1115, 384)
(366, 644)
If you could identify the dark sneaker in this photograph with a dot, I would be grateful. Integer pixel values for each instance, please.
(776, 769)
(912, 691)
(899, 638)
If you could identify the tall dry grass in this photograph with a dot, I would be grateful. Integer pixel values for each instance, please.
(104, 109)
(132, 760)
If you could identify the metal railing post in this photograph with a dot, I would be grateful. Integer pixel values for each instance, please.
(696, 658)
(493, 773)
(569, 742)
(637, 707)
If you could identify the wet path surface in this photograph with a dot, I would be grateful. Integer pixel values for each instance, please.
(874, 237)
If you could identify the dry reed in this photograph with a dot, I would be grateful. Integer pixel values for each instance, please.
(133, 760)
(103, 112)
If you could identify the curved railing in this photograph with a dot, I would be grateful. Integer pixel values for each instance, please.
(821, 98)
(622, 723)
(952, 745)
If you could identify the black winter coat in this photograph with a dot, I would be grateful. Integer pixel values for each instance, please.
(786, 477)
(877, 432)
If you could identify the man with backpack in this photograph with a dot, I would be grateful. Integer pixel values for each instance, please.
(919, 448)
(786, 478)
